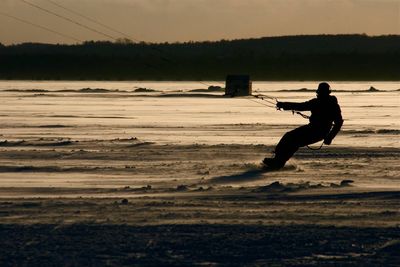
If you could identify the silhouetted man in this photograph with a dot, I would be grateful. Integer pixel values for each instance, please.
(325, 113)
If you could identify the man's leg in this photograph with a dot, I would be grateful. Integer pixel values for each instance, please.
(291, 142)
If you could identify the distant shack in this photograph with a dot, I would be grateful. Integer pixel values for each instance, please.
(238, 85)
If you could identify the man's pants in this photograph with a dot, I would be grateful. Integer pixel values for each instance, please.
(293, 140)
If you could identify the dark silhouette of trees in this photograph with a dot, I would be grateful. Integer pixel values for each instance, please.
(313, 57)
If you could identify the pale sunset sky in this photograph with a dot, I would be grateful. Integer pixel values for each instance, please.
(195, 20)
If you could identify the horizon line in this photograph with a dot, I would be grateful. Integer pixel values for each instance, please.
(129, 41)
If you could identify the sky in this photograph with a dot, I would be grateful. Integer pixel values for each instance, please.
(194, 20)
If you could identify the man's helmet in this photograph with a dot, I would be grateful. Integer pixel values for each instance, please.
(324, 89)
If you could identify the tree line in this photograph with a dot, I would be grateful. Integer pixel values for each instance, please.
(312, 57)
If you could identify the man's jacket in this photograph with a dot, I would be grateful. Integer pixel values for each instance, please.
(324, 112)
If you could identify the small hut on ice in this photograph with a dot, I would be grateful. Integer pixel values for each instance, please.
(238, 85)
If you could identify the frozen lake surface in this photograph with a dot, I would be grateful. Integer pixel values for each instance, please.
(87, 138)
(109, 110)
(98, 163)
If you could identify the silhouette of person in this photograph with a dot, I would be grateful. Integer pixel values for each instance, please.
(325, 122)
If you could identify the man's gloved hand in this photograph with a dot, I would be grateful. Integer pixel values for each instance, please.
(327, 141)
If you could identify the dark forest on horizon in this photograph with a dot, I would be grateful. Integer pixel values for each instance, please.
(308, 57)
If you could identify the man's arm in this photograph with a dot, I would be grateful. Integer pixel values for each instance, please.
(338, 122)
(295, 106)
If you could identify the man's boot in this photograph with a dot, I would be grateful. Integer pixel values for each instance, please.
(273, 163)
